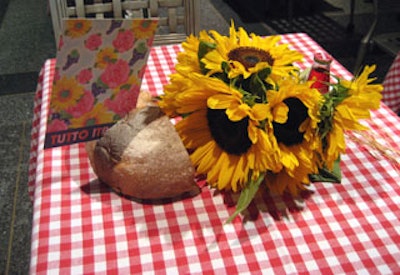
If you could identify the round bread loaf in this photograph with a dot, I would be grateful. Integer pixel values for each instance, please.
(142, 156)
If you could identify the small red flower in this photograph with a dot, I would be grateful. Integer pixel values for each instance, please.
(124, 101)
(57, 125)
(116, 74)
(93, 42)
(83, 106)
(57, 75)
(124, 41)
(61, 42)
(84, 76)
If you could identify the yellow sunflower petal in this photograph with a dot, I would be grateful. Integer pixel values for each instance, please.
(226, 167)
(203, 157)
(280, 113)
(238, 112)
(220, 101)
(259, 111)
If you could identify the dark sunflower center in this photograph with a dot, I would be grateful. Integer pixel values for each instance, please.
(231, 136)
(65, 94)
(79, 25)
(250, 56)
(288, 133)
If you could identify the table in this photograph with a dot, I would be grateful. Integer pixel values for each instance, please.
(81, 227)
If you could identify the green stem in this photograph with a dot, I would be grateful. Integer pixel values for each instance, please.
(246, 196)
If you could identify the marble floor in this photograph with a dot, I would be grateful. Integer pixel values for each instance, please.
(26, 41)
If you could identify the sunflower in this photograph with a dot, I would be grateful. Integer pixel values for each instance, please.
(104, 57)
(293, 116)
(66, 93)
(188, 59)
(235, 128)
(78, 27)
(247, 117)
(144, 28)
(349, 102)
(363, 95)
(248, 54)
(221, 130)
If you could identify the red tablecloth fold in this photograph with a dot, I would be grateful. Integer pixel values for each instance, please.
(81, 227)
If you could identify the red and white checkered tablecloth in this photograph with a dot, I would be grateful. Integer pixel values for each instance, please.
(391, 84)
(81, 227)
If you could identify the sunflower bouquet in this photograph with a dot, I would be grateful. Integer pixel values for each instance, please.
(250, 120)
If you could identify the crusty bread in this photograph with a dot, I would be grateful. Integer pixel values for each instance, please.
(142, 156)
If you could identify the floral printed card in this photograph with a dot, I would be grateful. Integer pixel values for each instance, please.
(99, 69)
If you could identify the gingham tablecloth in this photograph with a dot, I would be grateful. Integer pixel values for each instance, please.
(81, 227)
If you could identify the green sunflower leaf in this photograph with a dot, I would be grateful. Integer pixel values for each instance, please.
(204, 48)
(264, 73)
(246, 196)
(256, 83)
(326, 175)
(257, 88)
(225, 67)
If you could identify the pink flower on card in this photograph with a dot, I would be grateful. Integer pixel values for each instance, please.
(56, 74)
(57, 125)
(123, 102)
(123, 41)
(115, 74)
(84, 76)
(84, 105)
(93, 42)
(61, 42)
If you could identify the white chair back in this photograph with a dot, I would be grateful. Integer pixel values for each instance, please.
(177, 18)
